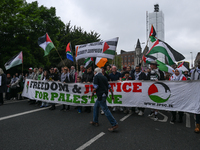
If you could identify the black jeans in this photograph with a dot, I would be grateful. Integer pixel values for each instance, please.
(1, 98)
(174, 115)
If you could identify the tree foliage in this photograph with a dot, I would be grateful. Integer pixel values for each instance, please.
(23, 23)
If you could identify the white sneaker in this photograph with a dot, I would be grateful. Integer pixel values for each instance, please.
(140, 113)
(151, 114)
(102, 113)
(136, 111)
(121, 109)
(156, 118)
(114, 109)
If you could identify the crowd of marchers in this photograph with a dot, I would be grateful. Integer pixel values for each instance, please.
(13, 86)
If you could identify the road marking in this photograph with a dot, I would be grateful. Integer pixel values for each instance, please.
(24, 113)
(165, 117)
(91, 141)
(125, 117)
(14, 101)
(188, 125)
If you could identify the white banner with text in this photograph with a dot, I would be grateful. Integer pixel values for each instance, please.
(166, 95)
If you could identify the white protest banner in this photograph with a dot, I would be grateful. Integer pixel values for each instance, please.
(105, 49)
(167, 95)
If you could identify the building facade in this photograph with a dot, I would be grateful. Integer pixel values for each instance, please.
(131, 58)
(156, 19)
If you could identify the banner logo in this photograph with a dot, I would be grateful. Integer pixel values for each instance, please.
(159, 92)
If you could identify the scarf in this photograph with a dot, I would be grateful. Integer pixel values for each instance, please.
(72, 73)
(179, 77)
(198, 70)
(137, 75)
(63, 76)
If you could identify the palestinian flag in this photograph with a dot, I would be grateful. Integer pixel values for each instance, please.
(148, 59)
(100, 62)
(182, 67)
(69, 52)
(163, 67)
(45, 43)
(14, 61)
(88, 61)
(110, 46)
(162, 47)
(152, 34)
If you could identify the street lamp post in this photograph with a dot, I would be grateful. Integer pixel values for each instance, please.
(191, 60)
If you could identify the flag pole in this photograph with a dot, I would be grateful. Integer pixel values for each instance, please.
(77, 71)
(60, 56)
(76, 50)
(22, 64)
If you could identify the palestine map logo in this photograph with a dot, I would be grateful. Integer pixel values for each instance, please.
(159, 92)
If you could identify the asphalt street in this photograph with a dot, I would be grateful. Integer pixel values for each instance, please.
(28, 127)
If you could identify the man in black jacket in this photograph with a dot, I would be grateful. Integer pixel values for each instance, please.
(101, 86)
(137, 74)
(88, 78)
(88, 75)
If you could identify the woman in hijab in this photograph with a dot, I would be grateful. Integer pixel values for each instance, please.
(177, 76)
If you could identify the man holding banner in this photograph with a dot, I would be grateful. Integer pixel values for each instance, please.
(101, 87)
(155, 75)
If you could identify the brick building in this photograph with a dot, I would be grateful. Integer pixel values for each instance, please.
(131, 58)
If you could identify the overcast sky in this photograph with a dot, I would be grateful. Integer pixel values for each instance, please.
(126, 19)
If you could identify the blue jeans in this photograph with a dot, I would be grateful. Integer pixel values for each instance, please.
(104, 107)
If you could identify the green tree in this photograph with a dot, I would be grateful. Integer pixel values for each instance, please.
(23, 23)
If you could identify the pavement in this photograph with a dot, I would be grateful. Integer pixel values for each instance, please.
(28, 127)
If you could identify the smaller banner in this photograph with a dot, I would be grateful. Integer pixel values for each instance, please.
(104, 49)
